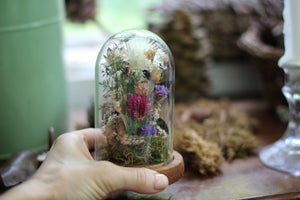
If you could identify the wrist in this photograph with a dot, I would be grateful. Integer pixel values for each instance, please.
(30, 189)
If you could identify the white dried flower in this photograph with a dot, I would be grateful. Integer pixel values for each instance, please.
(131, 140)
(137, 59)
(161, 131)
(156, 111)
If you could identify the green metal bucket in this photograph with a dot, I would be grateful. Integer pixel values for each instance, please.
(32, 82)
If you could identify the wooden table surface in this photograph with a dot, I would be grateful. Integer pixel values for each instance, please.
(241, 179)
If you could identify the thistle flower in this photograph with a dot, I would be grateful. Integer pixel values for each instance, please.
(161, 91)
(138, 106)
(147, 130)
(136, 55)
(141, 89)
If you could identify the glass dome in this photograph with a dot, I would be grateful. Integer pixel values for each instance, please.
(134, 100)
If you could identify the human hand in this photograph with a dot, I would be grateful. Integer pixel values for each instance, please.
(70, 172)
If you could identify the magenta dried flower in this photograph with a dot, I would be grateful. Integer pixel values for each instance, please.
(138, 106)
(161, 91)
(147, 130)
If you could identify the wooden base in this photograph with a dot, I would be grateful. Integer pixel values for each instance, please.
(174, 170)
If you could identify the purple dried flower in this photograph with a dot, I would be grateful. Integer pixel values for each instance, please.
(161, 91)
(147, 130)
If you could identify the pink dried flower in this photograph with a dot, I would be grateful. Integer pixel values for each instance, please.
(138, 106)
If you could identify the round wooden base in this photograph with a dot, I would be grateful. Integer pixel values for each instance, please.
(174, 170)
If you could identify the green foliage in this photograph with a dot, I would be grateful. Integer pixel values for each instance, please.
(159, 149)
(133, 125)
(114, 66)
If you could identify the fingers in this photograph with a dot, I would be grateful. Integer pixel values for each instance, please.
(141, 180)
(88, 136)
(144, 180)
(75, 145)
(117, 178)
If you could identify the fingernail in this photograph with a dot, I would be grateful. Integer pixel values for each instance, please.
(161, 182)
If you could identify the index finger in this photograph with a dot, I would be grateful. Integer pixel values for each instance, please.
(89, 136)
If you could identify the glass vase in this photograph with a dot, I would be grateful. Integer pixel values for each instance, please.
(134, 100)
(284, 154)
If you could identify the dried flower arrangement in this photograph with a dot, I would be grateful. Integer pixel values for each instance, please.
(137, 102)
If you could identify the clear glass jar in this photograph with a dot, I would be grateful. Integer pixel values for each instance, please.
(134, 100)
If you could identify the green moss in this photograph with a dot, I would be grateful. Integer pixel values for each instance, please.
(154, 152)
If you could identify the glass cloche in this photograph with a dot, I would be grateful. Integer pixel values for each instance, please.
(134, 100)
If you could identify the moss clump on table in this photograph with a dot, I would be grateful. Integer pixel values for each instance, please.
(208, 132)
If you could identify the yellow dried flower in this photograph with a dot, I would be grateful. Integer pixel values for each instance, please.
(150, 54)
(118, 107)
(157, 78)
(156, 75)
(141, 89)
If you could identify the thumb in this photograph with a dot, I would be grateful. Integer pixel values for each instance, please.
(141, 180)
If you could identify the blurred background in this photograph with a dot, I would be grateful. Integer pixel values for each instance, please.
(89, 24)
(222, 49)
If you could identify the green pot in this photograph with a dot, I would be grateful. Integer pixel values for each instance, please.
(32, 82)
